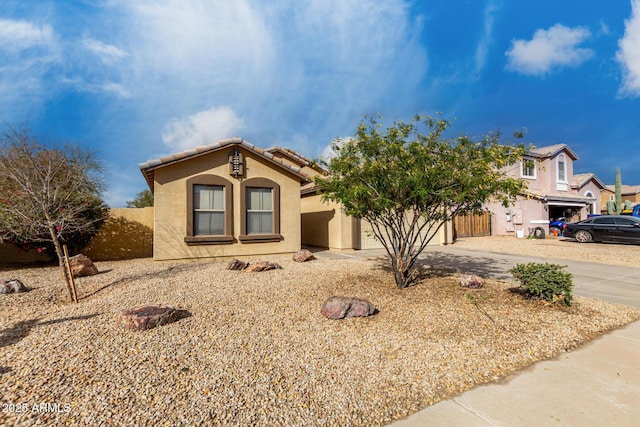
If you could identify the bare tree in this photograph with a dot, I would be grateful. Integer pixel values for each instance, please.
(48, 197)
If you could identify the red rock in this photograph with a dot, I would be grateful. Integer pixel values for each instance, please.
(303, 255)
(339, 307)
(262, 266)
(236, 264)
(147, 317)
(472, 281)
(82, 266)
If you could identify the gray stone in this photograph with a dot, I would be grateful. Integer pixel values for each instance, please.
(12, 286)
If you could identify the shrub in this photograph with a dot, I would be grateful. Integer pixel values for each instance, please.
(545, 281)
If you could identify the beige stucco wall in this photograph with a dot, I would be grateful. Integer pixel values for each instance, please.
(126, 234)
(170, 226)
(324, 224)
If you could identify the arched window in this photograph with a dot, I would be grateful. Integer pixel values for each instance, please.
(562, 168)
(591, 209)
(209, 210)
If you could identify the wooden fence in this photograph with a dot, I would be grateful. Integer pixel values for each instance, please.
(473, 225)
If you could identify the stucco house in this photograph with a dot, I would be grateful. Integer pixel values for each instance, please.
(553, 191)
(225, 199)
(629, 192)
(232, 198)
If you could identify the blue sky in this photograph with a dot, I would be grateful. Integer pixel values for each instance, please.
(137, 79)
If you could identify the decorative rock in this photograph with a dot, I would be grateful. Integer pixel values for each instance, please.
(339, 307)
(147, 317)
(12, 286)
(236, 264)
(472, 281)
(262, 266)
(303, 255)
(82, 266)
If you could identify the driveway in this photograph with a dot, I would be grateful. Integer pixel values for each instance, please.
(601, 281)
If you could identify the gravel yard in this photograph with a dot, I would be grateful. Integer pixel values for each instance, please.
(256, 351)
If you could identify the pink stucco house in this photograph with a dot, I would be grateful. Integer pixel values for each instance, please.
(553, 191)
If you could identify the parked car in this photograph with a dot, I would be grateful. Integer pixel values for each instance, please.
(605, 228)
(558, 225)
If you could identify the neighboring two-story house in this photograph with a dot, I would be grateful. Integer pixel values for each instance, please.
(552, 191)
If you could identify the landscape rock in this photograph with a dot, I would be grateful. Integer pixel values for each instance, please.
(147, 317)
(236, 264)
(339, 307)
(12, 286)
(82, 265)
(303, 255)
(262, 266)
(471, 281)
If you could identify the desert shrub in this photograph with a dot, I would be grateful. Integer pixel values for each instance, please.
(545, 281)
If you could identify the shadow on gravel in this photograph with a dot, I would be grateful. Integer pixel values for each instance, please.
(439, 264)
(4, 370)
(14, 334)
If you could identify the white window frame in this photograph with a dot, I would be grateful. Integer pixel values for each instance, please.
(535, 168)
(206, 210)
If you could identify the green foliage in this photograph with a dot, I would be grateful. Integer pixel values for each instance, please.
(143, 199)
(409, 179)
(618, 191)
(611, 207)
(545, 281)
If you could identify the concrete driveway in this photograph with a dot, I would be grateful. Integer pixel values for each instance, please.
(601, 281)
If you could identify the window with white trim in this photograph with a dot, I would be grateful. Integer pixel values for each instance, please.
(528, 167)
(562, 168)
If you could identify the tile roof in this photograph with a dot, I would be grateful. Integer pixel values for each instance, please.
(552, 150)
(147, 168)
(581, 179)
(626, 189)
(557, 195)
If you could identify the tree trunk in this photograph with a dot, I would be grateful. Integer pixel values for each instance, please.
(60, 254)
(399, 272)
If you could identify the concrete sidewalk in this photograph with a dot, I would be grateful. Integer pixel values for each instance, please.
(595, 385)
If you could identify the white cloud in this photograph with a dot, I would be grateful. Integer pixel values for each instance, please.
(328, 152)
(16, 36)
(628, 54)
(201, 128)
(107, 53)
(549, 50)
(482, 49)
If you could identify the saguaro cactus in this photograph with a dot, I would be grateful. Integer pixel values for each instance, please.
(618, 191)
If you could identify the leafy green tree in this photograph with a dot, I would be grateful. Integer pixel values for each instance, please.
(48, 197)
(409, 180)
(144, 199)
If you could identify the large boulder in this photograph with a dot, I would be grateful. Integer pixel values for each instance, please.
(12, 286)
(339, 307)
(262, 266)
(82, 265)
(236, 264)
(471, 281)
(303, 255)
(147, 317)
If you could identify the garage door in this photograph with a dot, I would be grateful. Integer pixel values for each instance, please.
(366, 240)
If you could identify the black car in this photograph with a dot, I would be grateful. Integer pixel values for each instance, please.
(605, 228)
